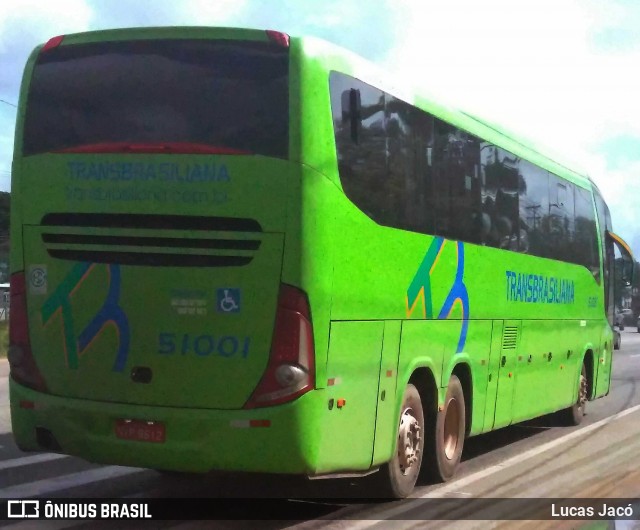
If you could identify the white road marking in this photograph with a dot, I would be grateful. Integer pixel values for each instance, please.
(28, 460)
(458, 485)
(452, 486)
(635, 355)
(63, 482)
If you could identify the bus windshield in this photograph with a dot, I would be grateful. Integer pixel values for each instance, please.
(182, 95)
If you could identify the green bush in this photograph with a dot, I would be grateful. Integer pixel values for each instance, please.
(4, 338)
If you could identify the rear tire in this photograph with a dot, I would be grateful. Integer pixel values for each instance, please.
(397, 477)
(446, 440)
(573, 415)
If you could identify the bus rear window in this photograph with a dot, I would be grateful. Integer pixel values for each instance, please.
(231, 95)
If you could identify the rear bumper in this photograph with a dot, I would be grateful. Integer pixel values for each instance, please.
(197, 440)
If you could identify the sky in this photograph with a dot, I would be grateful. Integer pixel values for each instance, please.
(563, 73)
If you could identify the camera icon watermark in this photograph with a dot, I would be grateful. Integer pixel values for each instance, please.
(23, 509)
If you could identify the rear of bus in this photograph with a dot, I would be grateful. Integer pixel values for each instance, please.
(157, 318)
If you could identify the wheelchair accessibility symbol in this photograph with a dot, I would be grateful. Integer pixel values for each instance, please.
(228, 300)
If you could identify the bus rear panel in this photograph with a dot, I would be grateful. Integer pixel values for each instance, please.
(151, 324)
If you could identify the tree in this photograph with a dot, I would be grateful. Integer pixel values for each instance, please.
(5, 208)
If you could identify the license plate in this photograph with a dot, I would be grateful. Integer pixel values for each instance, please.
(140, 431)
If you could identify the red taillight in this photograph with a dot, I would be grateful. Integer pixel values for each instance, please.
(291, 368)
(282, 39)
(23, 366)
(53, 42)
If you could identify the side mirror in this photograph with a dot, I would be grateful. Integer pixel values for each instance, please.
(627, 272)
(352, 112)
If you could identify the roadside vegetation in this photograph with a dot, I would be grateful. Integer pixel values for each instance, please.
(4, 338)
(5, 208)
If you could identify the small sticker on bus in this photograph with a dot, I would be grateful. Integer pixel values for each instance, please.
(228, 300)
(189, 306)
(38, 279)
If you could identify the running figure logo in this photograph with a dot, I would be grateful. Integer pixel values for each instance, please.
(77, 341)
(228, 300)
(419, 291)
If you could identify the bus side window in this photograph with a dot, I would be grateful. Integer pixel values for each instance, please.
(561, 218)
(500, 195)
(456, 184)
(361, 161)
(409, 132)
(585, 243)
(534, 207)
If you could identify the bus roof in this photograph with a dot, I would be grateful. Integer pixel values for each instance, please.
(337, 58)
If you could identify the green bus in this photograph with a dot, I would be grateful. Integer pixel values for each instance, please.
(235, 250)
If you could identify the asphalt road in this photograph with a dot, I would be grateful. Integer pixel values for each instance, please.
(537, 459)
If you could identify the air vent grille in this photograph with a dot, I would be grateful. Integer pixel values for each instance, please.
(211, 241)
(509, 338)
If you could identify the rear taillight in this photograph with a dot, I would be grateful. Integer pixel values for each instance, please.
(21, 362)
(53, 42)
(279, 38)
(291, 368)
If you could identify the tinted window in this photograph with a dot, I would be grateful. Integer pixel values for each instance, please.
(384, 170)
(219, 93)
(534, 209)
(585, 244)
(409, 132)
(407, 169)
(604, 221)
(362, 162)
(502, 185)
(559, 222)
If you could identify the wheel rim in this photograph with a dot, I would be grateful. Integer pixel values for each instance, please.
(408, 441)
(451, 428)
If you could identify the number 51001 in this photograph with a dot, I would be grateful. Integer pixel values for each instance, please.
(203, 345)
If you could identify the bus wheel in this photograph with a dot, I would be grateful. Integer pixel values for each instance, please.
(398, 477)
(446, 439)
(574, 414)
